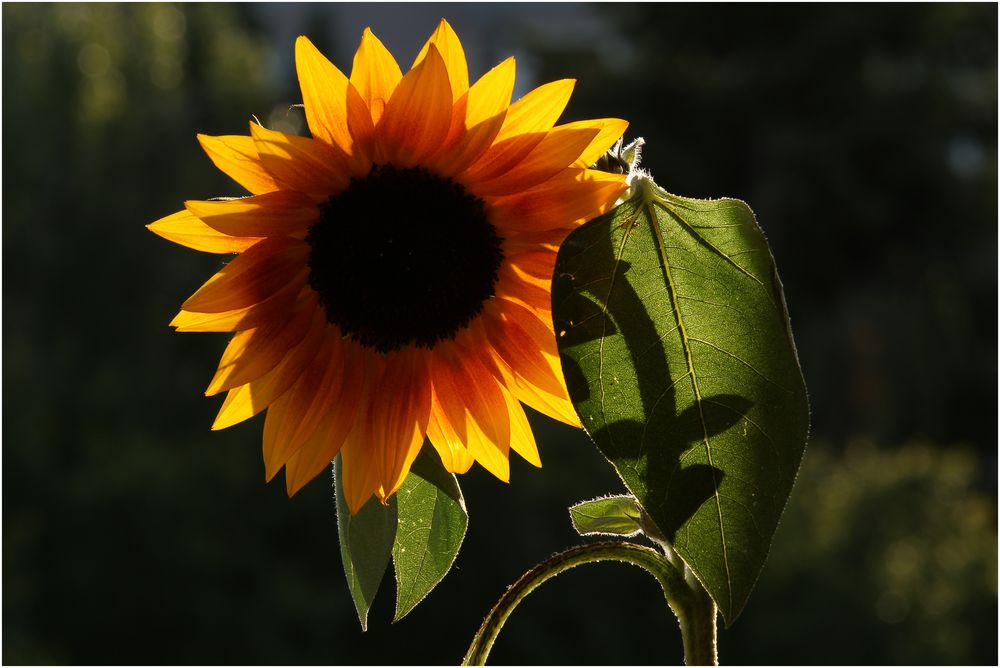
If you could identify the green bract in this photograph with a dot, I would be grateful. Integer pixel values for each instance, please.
(679, 358)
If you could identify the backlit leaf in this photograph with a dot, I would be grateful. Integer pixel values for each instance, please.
(679, 358)
(615, 515)
(432, 523)
(366, 541)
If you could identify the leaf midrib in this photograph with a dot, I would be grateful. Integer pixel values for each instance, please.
(649, 203)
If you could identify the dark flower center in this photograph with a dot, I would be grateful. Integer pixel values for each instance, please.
(403, 256)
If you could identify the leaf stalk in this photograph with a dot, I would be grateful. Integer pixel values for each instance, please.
(694, 609)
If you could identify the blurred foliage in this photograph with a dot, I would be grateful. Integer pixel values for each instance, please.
(883, 557)
(865, 139)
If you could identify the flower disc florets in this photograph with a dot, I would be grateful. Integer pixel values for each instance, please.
(403, 256)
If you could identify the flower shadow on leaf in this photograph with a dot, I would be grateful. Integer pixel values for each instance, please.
(654, 449)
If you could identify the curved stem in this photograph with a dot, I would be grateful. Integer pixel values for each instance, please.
(696, 621)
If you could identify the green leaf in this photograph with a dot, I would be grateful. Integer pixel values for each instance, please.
(366, 541)
(615, 515)
(432, 524)
(679, 358)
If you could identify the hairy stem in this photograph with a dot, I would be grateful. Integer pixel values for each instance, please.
(697, 620)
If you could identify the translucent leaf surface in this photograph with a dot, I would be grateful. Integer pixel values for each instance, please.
(432, 524)
(421, 528)
(679, 358)
(366, 541)
(614, 515)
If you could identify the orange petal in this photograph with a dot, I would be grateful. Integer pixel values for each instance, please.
(317, 391)
(523, 288)
(560, 147)
(527, 122)
(300, 163)
(375, 74)
(450, 48)
(360, 471)
(254, 352)
(527, 346)
(609, 131)
(326, 441)
(241, 319)
(398, 429)
(253, 276)
(298, 409)
(284, 212)
(469, 394)
(539, 263)
(237, 157)
(418, 115)
(245, 401)
(332, 105)
(566, 200)
(185, 229)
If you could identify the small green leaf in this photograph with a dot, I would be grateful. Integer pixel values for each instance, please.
(366, 541)
(432, 524)
(678, 356)
(614, 515)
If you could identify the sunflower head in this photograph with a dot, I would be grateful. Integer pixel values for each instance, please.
(392, 272)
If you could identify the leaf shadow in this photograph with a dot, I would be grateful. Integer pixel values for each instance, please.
(674, 489)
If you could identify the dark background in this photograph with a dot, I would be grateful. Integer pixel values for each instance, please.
(864, 136)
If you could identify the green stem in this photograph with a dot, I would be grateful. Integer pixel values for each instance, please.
(694, 609)
(698, 625)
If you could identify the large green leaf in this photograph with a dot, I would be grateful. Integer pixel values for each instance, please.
(366, 541)
(421, 528)
(432, 523)
(679, 358)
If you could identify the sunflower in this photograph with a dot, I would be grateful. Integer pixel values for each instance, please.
(392, 276)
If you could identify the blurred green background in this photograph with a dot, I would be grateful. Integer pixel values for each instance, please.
(864, 136)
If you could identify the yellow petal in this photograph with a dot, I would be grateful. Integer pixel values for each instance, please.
(490, 95)
(450, 48)
(253, 276)
(609, 131)
(556, 407)
(522, 440)
(455, 457)
(553, 154)
(185, 229)
(477, 118)
(299, 163)
(333, 106)
(527, 122)
(417, 117)
(237, 158)
(375, 74)
(284, 212)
